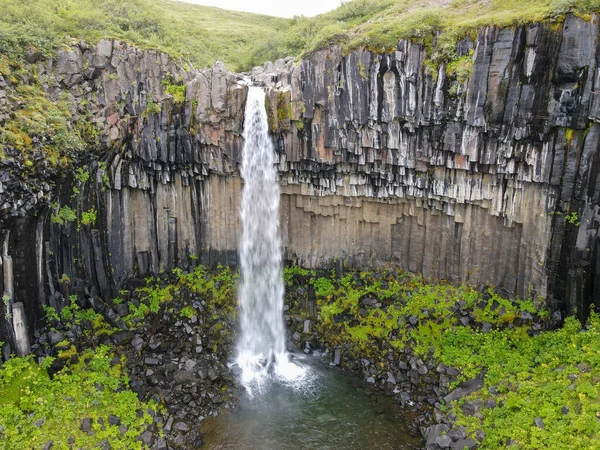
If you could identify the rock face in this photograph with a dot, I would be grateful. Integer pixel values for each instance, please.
(487, 174)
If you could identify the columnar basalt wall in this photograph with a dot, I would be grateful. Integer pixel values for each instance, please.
(487, 174)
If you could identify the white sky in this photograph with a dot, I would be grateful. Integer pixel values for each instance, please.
(281, 8)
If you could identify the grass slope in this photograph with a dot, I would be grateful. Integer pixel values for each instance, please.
(378, 24)
(198, 33)
(203, 34)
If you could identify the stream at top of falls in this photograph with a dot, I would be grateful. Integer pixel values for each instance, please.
(334, 411)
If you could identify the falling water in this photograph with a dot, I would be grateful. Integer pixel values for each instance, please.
(261, 352)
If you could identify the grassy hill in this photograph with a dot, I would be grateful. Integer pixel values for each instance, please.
(198, 33)
(378, 24)
(203, 34)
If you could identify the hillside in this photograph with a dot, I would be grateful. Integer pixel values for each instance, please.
(378, 24)
(202, 34)
(198, 33)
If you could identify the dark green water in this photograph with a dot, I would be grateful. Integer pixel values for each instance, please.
(333, 411)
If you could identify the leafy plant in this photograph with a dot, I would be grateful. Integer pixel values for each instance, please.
(573, 218)
(88, 218)
(187, 312)
(35, 409)
(63, 216)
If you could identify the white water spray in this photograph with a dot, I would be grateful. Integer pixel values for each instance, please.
(261, 352)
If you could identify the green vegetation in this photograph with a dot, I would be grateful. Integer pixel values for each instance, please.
(554, 377)
(217, 287)
(573, 218)
(176, 90)
(404, 310)
(35, 408)
(151, 108)
(88, 218)
(200, 34)
(64, 216)
(187, 312)
(39, 127)
(378, 24)
(203, 34)
(528, 375)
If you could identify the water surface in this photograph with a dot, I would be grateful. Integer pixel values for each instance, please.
(332, 410)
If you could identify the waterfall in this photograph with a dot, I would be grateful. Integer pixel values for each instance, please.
(261, 351)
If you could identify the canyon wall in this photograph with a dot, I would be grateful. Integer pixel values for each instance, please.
(483, 170)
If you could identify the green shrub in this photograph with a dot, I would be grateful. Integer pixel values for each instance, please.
(65, 215)
(187, 312)
(88, 218)
(35, 409)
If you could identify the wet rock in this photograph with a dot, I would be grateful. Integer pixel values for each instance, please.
(472, 407)
(443, 441)
(468, 444)
(55, 337)
(489, 404)
(306, 328)
(466, 388)
(147, 437)
(182, 426)
(137, 343)
(213, 374)
(169, 425)
(337, 356)
(434, 432)
(122, 310)
(114, 420)
(86, 425)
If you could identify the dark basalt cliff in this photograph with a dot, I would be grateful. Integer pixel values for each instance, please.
(486, 171)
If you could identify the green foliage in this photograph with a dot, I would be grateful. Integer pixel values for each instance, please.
(89, 217)
(151, 108)
(28, 398)
(217, 287)
(82, 175)
(51, 314)
(292, 272)
(65, 215)
(177, 90)
(34, 118)
(573, 218)
(187, 312)
(460, 69)
(105, 179)
(64, 278)
(323, 287)
(553, 376)
(243, 40)
(200, 34)
(384, 308)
